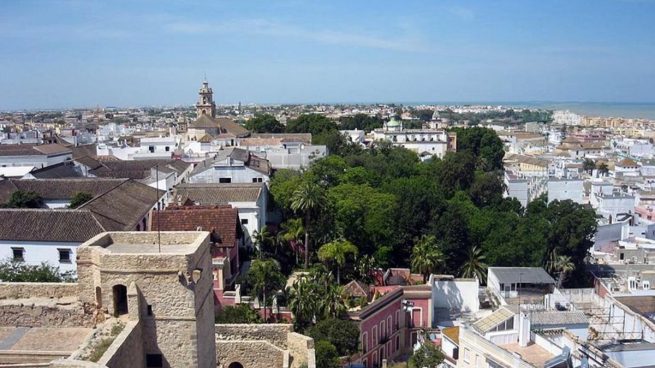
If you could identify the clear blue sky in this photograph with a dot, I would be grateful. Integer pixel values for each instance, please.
(134, 53)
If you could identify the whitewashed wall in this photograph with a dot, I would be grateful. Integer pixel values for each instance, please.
(38, 252)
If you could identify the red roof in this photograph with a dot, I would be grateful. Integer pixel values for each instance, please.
(223, 221)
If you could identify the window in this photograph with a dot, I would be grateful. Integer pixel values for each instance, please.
(244, 221)
(64, 255)
(397, 342)
(365, 342)
(224, 180)
(18, 254)
(168, 149)
(151, 149)
(257, 180)
(154, 361)
(467, 354)
(149, 310)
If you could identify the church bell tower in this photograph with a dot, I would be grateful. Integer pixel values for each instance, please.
(205, 104)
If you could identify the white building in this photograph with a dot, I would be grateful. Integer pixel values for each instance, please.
(566, 117)
(37, 156)
(562, 189)
(149, 148)
(425, 142)
(251, 200)
(232, 165)
(284, 151)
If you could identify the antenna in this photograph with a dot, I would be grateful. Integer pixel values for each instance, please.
(158, 207)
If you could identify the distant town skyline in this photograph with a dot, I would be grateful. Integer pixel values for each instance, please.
(61, 54)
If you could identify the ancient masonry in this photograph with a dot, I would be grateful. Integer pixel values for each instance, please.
(159, 291)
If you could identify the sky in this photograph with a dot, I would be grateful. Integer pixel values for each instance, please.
(85, 53)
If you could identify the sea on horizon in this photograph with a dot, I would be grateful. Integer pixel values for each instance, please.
(604, 109)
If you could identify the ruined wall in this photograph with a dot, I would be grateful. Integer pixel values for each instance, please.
(251, 354)
(301, 349)
(45, 315)
(126, 350)
(24, 290)
(276, 334)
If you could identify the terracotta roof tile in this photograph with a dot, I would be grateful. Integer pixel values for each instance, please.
(222, 221)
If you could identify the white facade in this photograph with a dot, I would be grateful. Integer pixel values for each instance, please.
(36, 252)
(291, 156)
(229, 173)
(563, 189)
(252, 214)
(425, 142)
(37, 161)
(609, 206)
(149, 148)
(455, 294)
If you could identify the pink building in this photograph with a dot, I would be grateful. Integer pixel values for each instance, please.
(387, 327)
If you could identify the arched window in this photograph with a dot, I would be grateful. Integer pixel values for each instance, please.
(235, 365)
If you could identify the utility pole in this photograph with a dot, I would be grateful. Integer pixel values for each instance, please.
(158, 207)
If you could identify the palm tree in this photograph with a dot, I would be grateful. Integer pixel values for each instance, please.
(292, 231)
(307, 198)
(303, 301)
(333, 303)
(261, 239)
(426, 256)
(474, 265)
(336, 252)
(563, 265)
(264, 275)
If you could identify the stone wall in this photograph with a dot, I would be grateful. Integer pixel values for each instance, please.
(251, 354)
(45, 315)
(25, 290)
(276, 334)
(301, 350)
(126, 350)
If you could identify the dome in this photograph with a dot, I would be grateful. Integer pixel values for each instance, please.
(393, 123)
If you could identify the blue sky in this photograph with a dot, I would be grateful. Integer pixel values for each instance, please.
(134, 53)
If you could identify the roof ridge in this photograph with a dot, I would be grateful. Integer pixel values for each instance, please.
(123, 181)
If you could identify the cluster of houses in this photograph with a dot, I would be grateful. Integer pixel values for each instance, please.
(211, 175)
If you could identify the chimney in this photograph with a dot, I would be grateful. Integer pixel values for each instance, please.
(524, 329)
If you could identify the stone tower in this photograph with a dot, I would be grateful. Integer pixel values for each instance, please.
(162, 285)
(205, 104)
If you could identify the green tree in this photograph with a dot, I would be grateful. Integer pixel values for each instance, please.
(588, 165)
(292, 233)
(262, 240)
(332, 301)
(326, 355)
(311, 123)
(364, 215)
(306, 199)
(603, 169)
(79, 199)
(559, 266)
(240, 313)
(14, 271)
(474, 265)
(571, 232)
(426, 356)
(264, 123)
(264, 277)
(343, 334)
(24, 199)
(282, 186)
(426, 256)
(303, 302)
(336, 252)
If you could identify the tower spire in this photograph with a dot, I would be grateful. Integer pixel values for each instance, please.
(205, 104)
